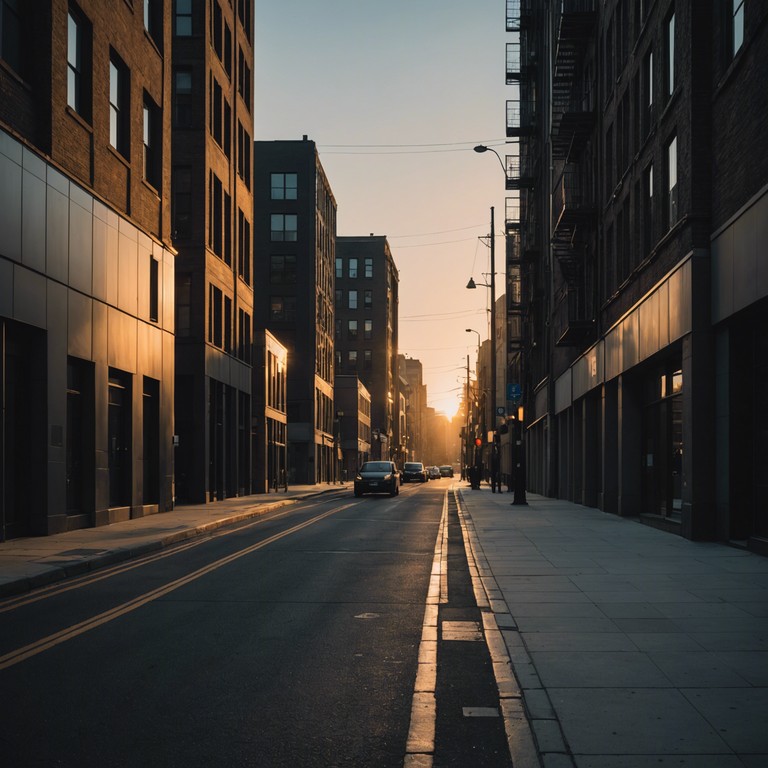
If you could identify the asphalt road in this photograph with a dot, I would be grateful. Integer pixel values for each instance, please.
(291, 641)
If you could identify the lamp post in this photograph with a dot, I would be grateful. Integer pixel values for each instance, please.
(520, 470)
(471, 285)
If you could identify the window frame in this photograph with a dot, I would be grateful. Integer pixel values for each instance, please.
(119, 105)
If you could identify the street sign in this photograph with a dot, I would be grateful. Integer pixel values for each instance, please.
(514, 392)
(501, 410)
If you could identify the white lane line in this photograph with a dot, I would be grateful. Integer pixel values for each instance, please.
(420, 746)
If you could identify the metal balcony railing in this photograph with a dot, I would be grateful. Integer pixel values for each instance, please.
(520, 117)
(571, 204)
(574, 325)
(512, 212)
(514, 61)
(513, 15)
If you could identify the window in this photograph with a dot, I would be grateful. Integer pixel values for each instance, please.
(243, 154)
(183, 20)
(243, 247)
(119, 110)
(282, 308)
(352, 330)
(648, 93)
(339, 267)
(182, 97)
(215, 215)
(183, 303)
(284, 186)
(181, 192)
(352, 300)
(10, 33)
(153, 21)
(368, 267)
(227, 324)
(671, 208)
(244, 14)
(282, 269)
(215, 335)
(152, 143)
(367, 359)
(244, 336)
(283, 227)
(339, 296)
(737, 25)
(352, 268)
(368, 329)
(352, 358)
(154, 288)
(216, 116)
(647, 210)
(243, 78)
(78, 58)
(368, 299)
(217, 29)
(670, 55)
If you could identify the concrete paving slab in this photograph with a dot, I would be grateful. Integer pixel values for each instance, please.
(589, 669)
(578, 641)
(750, 666)
(690, 668)
(639, 721)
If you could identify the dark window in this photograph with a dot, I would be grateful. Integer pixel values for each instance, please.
(119, 105)
(368, 266)
(352, 299)
(152, 142)
(154, 289)
(244, 247)
(352, 268)
(367, 359)
(181, 189)
(183, 21)
(182, 97)
(671, 207)
(283, 227)
(647, 210)
(282, 269)
(215, 216)
(368, 298)
(368, 329)
(669, 50)
(282, 308)
(352, 330)
(243, 78)
(243, 154)
(215, 335)
(153, 21)
(244, 14)
(217, 29)
(216, 116)
(11, 34)
(284, 186)
(78, 60)
(339, 267)
(119, 438)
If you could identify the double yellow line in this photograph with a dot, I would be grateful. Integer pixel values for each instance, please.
(45, 643)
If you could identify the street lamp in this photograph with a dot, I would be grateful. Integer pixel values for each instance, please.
(520, 448)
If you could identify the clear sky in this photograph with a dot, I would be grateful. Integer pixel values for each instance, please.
(395, 94)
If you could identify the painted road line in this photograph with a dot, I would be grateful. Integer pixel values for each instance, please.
(46, 643)
(420, 744)
(522, 745)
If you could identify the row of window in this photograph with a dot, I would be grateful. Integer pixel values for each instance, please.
(354, 360)
(184, 20)
(353, 328)
(353, 298)
(220, 326)
(80, 94)
(353, 267)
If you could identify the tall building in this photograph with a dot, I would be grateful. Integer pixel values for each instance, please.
(294, 249)
(639, 202)
(366, 331)
(212, 230)
(86, 265)
(413, 372)
(353, 422)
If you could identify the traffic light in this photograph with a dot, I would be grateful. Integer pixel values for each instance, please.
(478, 442)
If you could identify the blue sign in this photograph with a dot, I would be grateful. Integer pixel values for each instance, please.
(514, 392)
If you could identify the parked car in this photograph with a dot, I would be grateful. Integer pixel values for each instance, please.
(446, 470)
(434, 473)
(377, 477)
(414, 471)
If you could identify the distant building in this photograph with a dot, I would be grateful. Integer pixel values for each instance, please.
(270, 428)
(294, 249)
(86, 264)
(353, 418)
(367, 331)
(638, 201)
(212, 230)
(412, 370)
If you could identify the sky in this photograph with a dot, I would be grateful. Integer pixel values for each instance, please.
(396, 94)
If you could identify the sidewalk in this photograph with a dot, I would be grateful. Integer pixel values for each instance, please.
(633, 647)
(30, 562)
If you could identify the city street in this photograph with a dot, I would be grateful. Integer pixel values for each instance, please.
(291, 640)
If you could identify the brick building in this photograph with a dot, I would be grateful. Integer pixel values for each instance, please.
(638, 210)
(86, 265)
(294, 247)
(212, 230)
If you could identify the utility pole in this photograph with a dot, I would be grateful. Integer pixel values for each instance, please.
(494, 420)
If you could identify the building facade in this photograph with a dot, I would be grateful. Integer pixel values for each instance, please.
(294, 251)
(86, 265)
(640, 256)
(366, 299)
(353, 423)
(270, 422)
(212, 231)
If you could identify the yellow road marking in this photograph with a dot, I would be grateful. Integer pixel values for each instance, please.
(45, 643)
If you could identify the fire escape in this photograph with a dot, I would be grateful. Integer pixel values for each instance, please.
(573, 197)
(521, 168)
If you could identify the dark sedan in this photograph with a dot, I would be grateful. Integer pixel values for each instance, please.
(414, 471)
(377, 477)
